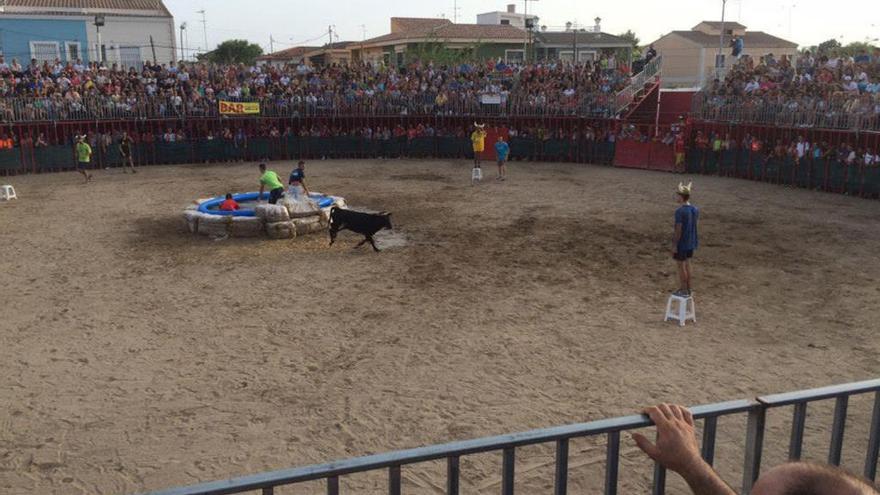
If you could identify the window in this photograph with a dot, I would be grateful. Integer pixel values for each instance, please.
(72, 48)
(1, 42)
(514, 56)
(130, 56)
(505, 22)
(45, 51)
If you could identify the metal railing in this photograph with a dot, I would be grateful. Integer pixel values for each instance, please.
(860, 113)
(329, 104)
(756, 410)
(627, 95)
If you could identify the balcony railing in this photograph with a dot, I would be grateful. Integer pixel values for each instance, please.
(637, 84)
(755, 409)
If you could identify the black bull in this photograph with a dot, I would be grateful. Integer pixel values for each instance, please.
(366, 224)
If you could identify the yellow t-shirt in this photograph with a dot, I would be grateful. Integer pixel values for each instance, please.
(478, 139)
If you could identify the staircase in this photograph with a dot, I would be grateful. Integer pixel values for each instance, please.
(639, 99)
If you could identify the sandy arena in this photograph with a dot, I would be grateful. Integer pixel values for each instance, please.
(135, 356)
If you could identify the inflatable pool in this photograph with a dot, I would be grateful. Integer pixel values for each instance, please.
(247, 201)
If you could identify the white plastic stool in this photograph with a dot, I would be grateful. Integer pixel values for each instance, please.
(476, 174)
(7, 193)
(686, 309)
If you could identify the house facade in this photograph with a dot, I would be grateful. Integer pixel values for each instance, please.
(584, 46)
(689, 57)
(412, 38)
(133, 31)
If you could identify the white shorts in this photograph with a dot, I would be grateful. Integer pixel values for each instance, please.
(296, 193)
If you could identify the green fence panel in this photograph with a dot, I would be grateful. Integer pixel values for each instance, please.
(757, 166)
(209, 150)
(853, 179)
(786, 170)
(771, 169)
(172, 153)
(294, 146)
(10, 160)
(693, 161)
(345, 147)
(552, 150)
(258, 149)
(144, 153)
(818, 172)
(711, 162)
(741, 167)
(727, 165)
(57, 157)
(111, 156)
(836, 176)
(422, 147)
(522, 148)
(872, 181)
(802, 173)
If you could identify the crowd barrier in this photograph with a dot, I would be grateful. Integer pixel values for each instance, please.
(650, 156)
(823, 174)
(31, 159)
(755, 411)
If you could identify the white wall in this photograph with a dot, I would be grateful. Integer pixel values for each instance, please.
(135, 32)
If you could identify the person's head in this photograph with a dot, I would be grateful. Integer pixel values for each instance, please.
(228, 195)
(803, 478)
(500, 139)
(301, 165)
(683, 193)
(262, 167)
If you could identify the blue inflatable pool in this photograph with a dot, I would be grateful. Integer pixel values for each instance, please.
(248, 200)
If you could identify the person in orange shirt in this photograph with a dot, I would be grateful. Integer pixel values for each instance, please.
(229, 204)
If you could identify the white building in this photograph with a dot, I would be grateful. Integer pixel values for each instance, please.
(133, 31)
(510, 17)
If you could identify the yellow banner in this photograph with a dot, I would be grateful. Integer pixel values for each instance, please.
(239, 108)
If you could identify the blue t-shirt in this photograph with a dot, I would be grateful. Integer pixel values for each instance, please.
(687, 216)
(297, 176)
(503, 149)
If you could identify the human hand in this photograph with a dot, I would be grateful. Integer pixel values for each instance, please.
(676, 446)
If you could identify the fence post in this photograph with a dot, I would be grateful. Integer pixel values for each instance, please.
(508, 465)
(754, 447)
(873, 441)
(837, 429)
(561, 482)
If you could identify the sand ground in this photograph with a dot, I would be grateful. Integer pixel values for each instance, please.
(135, 356)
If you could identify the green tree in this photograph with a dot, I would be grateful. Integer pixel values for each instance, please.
(828, 45)
(233, 52)
(630, 36)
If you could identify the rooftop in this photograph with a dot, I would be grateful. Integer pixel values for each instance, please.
(155, 7)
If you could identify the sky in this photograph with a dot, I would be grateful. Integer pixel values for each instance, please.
(296, 22)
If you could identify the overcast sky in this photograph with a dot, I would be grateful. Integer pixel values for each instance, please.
(291, 22)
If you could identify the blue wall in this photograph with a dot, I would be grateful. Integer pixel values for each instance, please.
(16, 35)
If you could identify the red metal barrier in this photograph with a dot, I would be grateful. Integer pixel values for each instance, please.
(651, 155)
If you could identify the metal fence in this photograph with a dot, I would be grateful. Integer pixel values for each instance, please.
(755, 409)
(839, 112)
(329, 104)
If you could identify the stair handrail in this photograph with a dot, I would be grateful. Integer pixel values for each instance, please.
(637, 83)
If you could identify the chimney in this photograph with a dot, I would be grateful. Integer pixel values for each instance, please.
(511, 8)
(598, 27)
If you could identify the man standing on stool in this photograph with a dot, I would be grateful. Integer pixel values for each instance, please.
(685, 241)
(478, 140)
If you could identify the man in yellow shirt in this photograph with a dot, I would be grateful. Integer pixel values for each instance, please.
(83, 157)
(270, 180)
(478, 140)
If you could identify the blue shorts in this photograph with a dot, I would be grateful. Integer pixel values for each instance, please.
(82, 165)
(683, 255)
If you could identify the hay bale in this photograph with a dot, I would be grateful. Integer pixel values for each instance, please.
(246, 227)
(272, 213)
(300, 209)
(214, 225)
(192, 220)
(309, 225)
(281, 230)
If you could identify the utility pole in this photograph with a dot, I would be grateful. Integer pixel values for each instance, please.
(271, 44)
(455, 12)
(330, 36)
(719, 61)
(182, 28)
(204, 28)
(153, 47)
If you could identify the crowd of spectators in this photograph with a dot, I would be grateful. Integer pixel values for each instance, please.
(825, 90)
(50, 91)
(798, 149)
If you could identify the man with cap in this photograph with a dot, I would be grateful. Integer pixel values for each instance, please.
(685, 238)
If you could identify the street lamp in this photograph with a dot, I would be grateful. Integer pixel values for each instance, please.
(99, 22)
(719, 60)
(182, 54)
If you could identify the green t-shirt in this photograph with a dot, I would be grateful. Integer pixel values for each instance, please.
(716, 145)
(83, 152)
(270, 180)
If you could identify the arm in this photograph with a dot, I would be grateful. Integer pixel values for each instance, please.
(262, 188)
(676, 449)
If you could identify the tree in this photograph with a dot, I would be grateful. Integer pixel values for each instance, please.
(828, 45)
(233, 52)
(630, 36)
